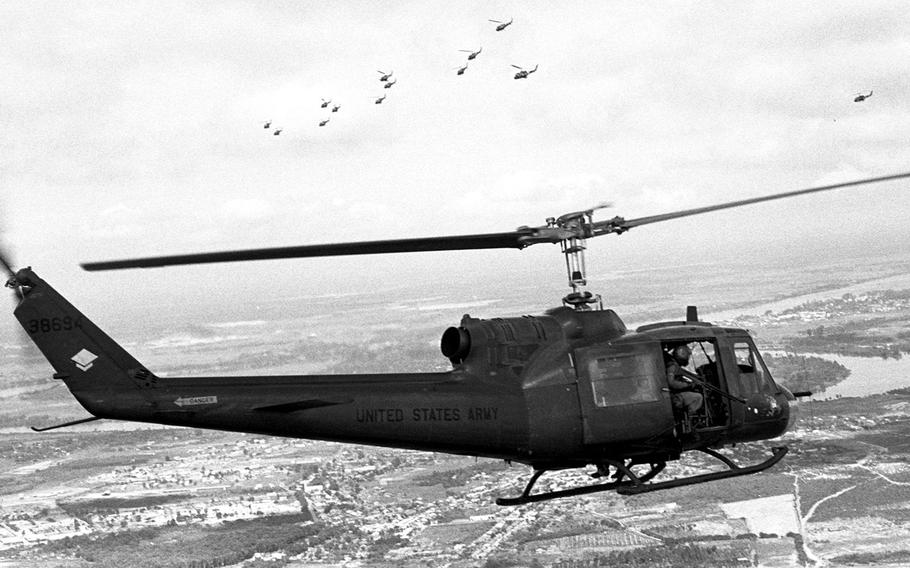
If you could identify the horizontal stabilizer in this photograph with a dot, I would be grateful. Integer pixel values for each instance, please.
(65, 424)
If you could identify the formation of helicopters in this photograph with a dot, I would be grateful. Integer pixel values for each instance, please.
(472, 54)
(570, 388)
(386, 78)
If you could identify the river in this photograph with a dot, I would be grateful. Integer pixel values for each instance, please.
(868, 375)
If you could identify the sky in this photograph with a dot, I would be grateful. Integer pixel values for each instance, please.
(136, 128)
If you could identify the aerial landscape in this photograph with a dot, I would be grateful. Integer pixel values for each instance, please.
(112, 493)
(278, 133)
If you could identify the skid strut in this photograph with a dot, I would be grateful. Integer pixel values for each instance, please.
(623, 471)
(627, 482)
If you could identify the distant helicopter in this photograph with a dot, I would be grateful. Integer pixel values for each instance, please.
(502, 25)
(861, 97)
(461, 70)
(380, 99)
(325, 103)
(385, 76)
(473, 55)
(389, 84)
(523, 73)
(267, 124)
(571, 388)
(324, 122)
(277, 132)
(336, 108)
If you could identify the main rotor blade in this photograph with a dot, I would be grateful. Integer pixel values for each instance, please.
(518, 239)
(620, 225)
(459, 242)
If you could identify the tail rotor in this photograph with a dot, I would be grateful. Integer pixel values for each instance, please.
(11, 281)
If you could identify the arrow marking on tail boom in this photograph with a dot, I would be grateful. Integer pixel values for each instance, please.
(196, 400)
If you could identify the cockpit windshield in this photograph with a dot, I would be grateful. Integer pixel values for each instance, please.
(754, 376)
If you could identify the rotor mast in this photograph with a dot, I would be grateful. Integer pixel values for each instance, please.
(577, 226)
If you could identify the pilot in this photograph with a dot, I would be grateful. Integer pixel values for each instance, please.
(681, 387)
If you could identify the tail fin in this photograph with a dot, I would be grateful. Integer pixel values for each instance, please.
(85, 357)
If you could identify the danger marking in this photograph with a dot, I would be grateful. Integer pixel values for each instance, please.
(196, 400)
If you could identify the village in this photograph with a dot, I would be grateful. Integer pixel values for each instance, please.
(363, 506)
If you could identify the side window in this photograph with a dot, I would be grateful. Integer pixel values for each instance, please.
(626, 378)
(754, 378)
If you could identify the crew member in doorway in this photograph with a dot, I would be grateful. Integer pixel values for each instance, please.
(684, 398)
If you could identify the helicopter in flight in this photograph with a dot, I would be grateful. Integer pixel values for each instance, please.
(523, 73)
(502, 25)
(379, 100)
(473, 54)
(385, 76)
(570, 388)
(325, 103)
(461, 70)
(277, 132)
(389, 84)
(860, 97)
(267, 124)
(324, 122)
(336, 108)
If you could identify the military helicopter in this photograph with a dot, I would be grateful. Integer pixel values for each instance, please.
(267, 124)
(325, 103)
(473, 54)
(571, 388)
(323, 122)
(523, 73)
(379, 100)
(389, 84)
(861, 97)
(502, 25)
(336, 108)
(385, 76)
(461, 70)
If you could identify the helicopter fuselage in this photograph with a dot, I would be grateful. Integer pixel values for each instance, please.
(560, 390)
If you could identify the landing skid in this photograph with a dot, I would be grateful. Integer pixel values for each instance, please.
(635, 484)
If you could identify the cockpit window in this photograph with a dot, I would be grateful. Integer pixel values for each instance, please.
(754, 377)
(624, 379)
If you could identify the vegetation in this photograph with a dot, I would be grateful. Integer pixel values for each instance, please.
(859, 339)
(805, 373)
(180, 547)
(457, 477)
(672, 556)
(894, 557)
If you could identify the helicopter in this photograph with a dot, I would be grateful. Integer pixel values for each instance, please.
(461, 70)
(567, 389)
(502, 25)
(324, 122)
(389, 84)
(473, 54)
(277, 132)
(267, 124)
(336, 108)
(379, 100)
(523, 73)
(325, 103)
(385, 76)
(861, 97)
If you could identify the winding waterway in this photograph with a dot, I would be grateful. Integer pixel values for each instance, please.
(868, 375)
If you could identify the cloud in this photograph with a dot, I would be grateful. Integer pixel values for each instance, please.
(247, 210)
